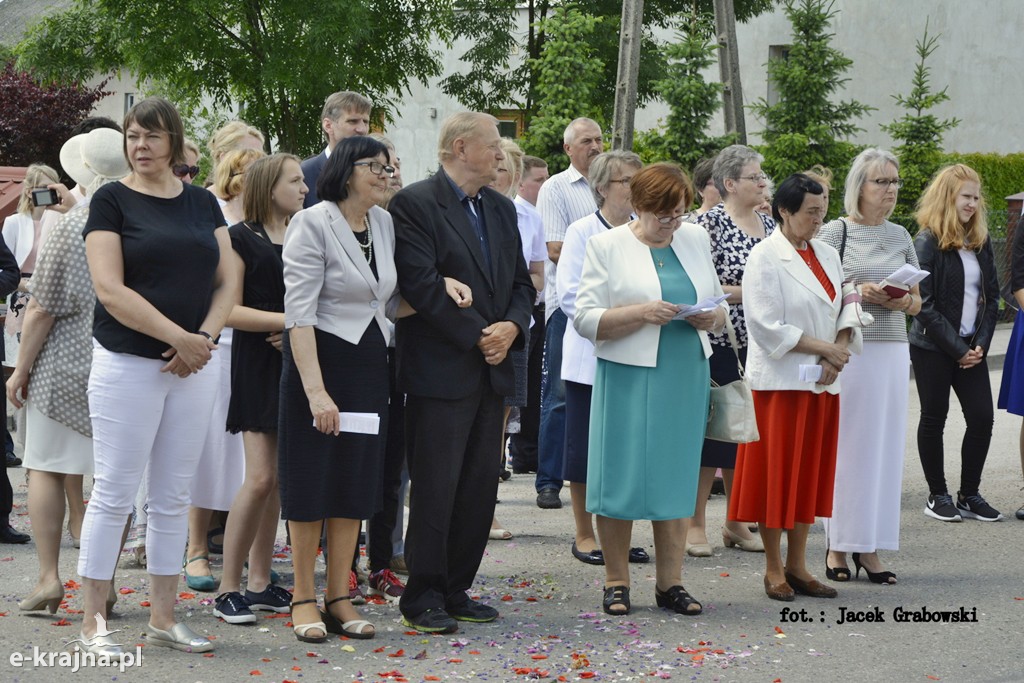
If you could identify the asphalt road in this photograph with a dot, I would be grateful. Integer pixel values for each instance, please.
(551, 625)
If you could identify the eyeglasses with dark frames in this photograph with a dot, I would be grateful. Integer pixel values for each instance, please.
(669, 220)
(886, 182)
(756, 178)
(377, 168)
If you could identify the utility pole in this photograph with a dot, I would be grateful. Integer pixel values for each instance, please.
(729, 69)
(630, 35)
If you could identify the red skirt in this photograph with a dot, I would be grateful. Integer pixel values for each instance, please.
(786, 478)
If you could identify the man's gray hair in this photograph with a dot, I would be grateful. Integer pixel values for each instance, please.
(570, 131)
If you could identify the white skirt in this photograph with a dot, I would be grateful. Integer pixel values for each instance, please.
(222, 465)
(51, 446)
(872, 443)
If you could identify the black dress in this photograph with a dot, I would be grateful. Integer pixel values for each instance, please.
(255, 363)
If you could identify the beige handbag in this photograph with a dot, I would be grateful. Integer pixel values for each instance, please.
(731, 412)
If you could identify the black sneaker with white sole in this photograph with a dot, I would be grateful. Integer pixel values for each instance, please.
(272, 599)
(940, 506)
(975, 507)
(233, 608)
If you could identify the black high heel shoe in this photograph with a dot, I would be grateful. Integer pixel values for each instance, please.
(838, 574)
(874, 577)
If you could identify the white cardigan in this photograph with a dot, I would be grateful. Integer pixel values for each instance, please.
(782, 301)
(19, 234)
(618, 271)
(579, 364)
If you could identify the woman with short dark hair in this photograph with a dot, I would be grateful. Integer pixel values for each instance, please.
(157, 252)
(649, 402)
(793, 297)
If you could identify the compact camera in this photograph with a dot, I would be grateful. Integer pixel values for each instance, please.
(45, 197)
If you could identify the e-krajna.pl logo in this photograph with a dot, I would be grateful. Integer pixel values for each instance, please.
(77, 657)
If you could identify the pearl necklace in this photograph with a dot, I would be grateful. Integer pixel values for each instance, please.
(367, 248)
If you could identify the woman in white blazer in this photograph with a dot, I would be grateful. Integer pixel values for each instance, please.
(650, 398)
(341, 287)
(793, 297)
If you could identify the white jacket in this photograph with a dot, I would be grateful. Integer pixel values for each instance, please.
(19, 234)
(782, 301)
(618, 271)
(579, 364)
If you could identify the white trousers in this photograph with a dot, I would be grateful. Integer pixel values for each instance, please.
(142, 416)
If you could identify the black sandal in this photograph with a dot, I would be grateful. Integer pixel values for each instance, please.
(678, 600)
(838, 574)
(351, 629)
(616, 595)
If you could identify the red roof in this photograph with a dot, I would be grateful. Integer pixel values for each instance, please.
(11, 180)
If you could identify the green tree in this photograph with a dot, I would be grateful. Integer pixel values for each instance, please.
(501, 64)
(805, 127)
(692, 101)
(276, 59)
(567, 75)
(919, 133)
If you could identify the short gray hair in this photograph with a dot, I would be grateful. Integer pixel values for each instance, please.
(866, 161)
(570, 131)
(729, 164)
(604, 166)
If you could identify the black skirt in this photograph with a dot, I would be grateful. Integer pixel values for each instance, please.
(719, 454)
(322, 475)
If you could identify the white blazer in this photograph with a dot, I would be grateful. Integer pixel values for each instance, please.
(579, 364)
(618, 271)
(19, 234)
(782, 301)
(328, 283)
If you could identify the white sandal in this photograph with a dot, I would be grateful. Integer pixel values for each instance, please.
(302, 630)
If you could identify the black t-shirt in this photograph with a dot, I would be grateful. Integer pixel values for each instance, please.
(170, 258)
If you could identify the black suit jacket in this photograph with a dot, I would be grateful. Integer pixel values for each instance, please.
(10, 277)
(436, 348)
(311, 169)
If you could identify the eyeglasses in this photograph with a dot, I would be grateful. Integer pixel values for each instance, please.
(669, 220)
(182, 170)
(757, 178)
(376, 168)
(885, 182)
(623, 181)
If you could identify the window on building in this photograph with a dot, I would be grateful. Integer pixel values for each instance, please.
(510, 123)
(129, 101)
(775, 52)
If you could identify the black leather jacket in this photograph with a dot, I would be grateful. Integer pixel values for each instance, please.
(937, 326)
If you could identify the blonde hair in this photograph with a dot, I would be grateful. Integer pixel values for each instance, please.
(191, 146)
(936, 210)
(821, 175)
(229, 176)
(36, 176)
(465, 124)
(228, 137)
(513, 163)
(870, 159)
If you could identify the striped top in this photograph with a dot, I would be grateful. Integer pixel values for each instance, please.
(563, 199)
(873, 253)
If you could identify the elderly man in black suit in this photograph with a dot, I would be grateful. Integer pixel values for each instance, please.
(453, 364)
(345, 114)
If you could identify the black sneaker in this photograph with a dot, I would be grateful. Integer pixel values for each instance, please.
(975, 507)
(12, 459)
(473, 611)
(548, 500)
(432, 621)
(940, 507)
(272, 599)
(233, 608)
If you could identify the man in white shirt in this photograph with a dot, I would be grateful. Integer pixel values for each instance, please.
(522, 446)
(345, 114)
(563, 199)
